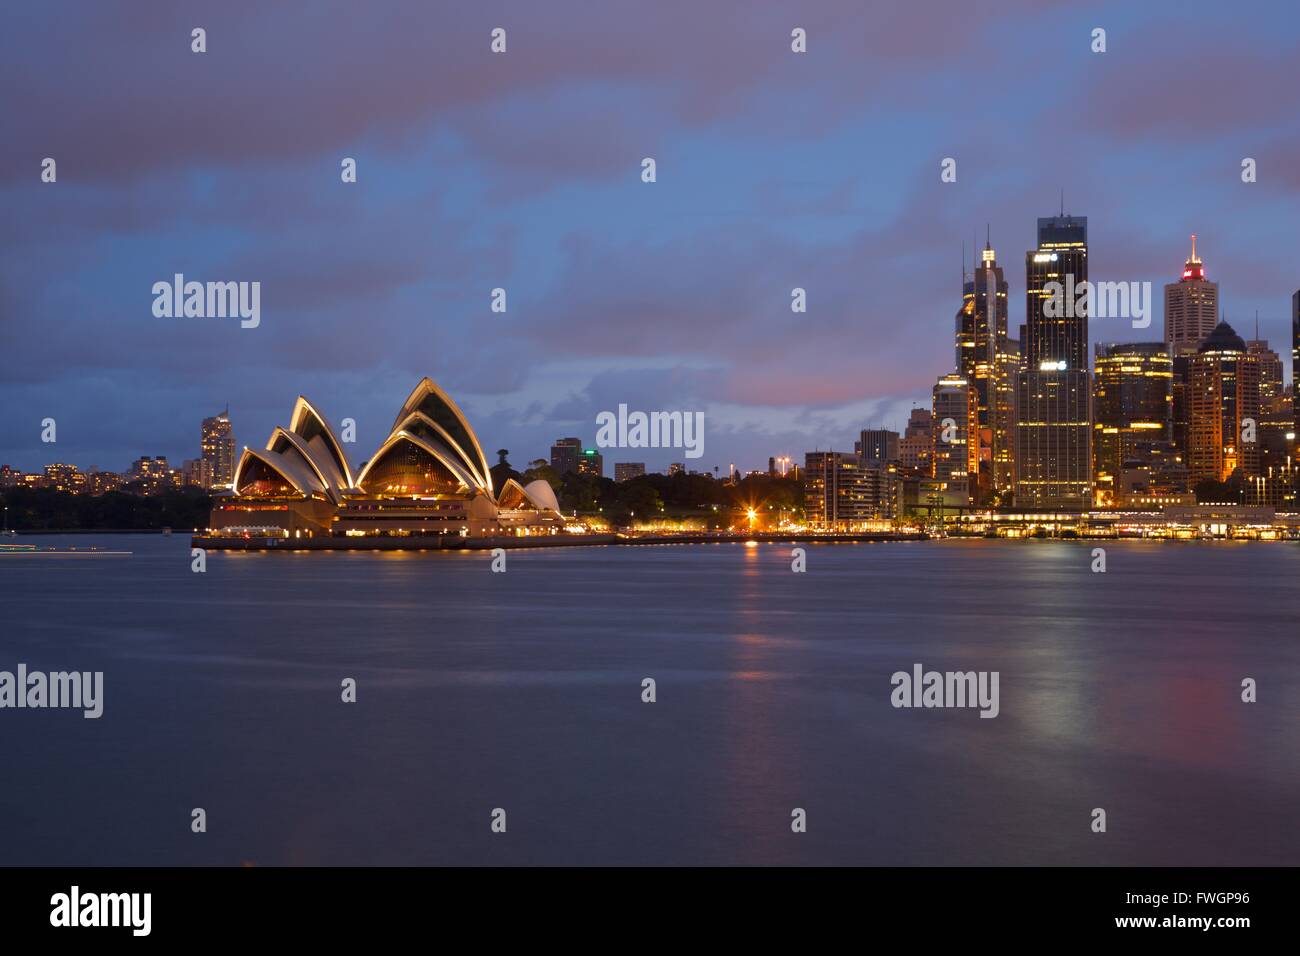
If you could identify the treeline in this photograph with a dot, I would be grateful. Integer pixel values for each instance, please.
(44, 509)
(674, 496)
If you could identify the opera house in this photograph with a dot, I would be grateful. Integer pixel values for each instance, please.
(428, 477)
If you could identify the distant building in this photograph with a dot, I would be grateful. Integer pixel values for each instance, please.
(1191, 312)
(916, 447)
(627, 470)
(877, 447)
(217, 447)
(955, 417)
(1053, 460)
(676, 468)
(564, 455)
(152, 475)
(9, 476)
(102, 482)
(1191, 307)
(1270, 368)
(62, 477)
(1295, 364)
(197, 473)
(1275, 408)
(841, 493)
(1223, 394)
(984, 358)
(1132, 400)
(591, 462)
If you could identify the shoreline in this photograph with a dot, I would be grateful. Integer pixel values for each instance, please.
(457, 543)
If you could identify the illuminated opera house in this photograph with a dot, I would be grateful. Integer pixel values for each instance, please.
(428, 477)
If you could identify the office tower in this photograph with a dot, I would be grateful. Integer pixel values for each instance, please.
(1223, 400)
(986, 361)
(564, 455)
(1131, 413)
(627, 470)
(591, 462)
(1191, 307)
(953, 455)
(217, 448)
(1274, 405)
(676, 468)
(916, 447)
(877, 447)
(1295, 364)
(1053, 459)
(1270, 367)
(1191, 312)
(841, 492)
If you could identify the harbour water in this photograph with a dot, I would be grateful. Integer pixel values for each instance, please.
(523, 691)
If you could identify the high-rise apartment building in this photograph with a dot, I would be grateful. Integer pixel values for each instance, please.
(217, 448)
(840, 492)
(627, 470)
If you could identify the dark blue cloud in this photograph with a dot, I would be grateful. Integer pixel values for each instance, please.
(522, 171)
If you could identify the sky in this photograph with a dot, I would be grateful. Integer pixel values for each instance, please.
(522, 171)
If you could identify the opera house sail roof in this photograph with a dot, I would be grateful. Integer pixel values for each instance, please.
(430, 460)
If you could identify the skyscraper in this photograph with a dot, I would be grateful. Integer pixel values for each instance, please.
(1295, 363)
(1130, 411)
(988, 364)
(1053, 429)
(1270, 367)
(1191, 307)
(1191, 312)
(217, 448)
(955, 421)
(1223, 398)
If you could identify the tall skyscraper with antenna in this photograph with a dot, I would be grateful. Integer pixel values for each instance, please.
(985, 360)
(1054, 425)
(1191, 307)
(1191, 313)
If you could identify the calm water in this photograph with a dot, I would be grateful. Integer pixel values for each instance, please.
(522, 691)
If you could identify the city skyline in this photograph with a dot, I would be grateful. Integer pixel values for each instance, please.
(775, 173)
